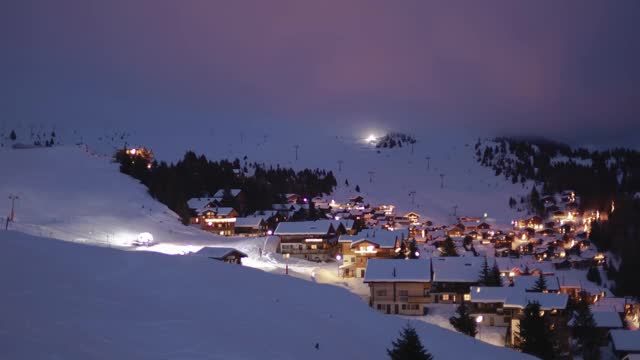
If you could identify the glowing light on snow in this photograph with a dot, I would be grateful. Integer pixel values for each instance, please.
(145, 238)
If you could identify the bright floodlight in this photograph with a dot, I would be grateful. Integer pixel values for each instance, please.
(417, 254)
(145, 238)
(371, 138)
(338, 257)
(270, 232)
(479, 319)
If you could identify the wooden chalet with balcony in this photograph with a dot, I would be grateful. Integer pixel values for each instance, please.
(218, 220)
(399, 286)
(453, 276)
(356, 250)
(311, 240)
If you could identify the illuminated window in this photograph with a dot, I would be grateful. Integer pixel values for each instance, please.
(445, 297)
(467, 297)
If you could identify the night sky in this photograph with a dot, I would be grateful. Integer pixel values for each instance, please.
(564, 69)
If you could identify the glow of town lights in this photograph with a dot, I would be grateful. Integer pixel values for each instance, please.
(371, 138)
(132, 151)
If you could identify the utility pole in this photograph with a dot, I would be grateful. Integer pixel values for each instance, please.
(428, 162)
(340, 165)
(441, 181)
(296, 146)
(13, 200)
(413, 197)
(371, 176)
(455, 210)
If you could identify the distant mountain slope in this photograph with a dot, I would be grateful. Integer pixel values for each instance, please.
(73, 301)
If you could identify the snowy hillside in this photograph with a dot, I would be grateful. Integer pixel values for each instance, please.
(408, 177)
(71, 301)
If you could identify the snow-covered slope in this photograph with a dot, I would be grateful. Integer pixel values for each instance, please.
(389, 176)
(72, 301)
(69, 194)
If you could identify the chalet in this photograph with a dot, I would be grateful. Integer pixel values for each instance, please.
(252, 225)
(624, 342)
(356, 250)
(228, 255)
(356, 200)
(219, 220)
(293, 198)
(606, 320)
(399, 286)
(413, 217)
(484, 227)
(311, 240)
(452, 277)
(456, 230)
(196, 205)
(230, 197)
(504, 306)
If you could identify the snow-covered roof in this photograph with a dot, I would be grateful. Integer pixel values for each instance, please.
(456, 269)
(547, 301)
(397, 270)
(615, 303)
(220, 193)
(249, 221)
(527, 282)
(490, 294)
(606, 319)
(220, 211)
(218, 252)
(321, 227)
(625, 340)
(199, 203)
(265, 213)
(384, 238)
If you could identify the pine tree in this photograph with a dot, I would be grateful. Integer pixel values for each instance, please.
(449, 248)
(496, 280)
(485, 274)
(540, 284)
(593, 275)
(346, 182)
(535, 333)
(13, 136)
(464, 323)
(357, 188)
(408, 346)
(584, 329)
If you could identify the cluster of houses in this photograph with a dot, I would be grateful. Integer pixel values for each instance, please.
(399, 258)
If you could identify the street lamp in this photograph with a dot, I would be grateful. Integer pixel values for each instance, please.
(479, 321)
(338, 257)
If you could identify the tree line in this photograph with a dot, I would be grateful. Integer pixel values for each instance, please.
(196, 176)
